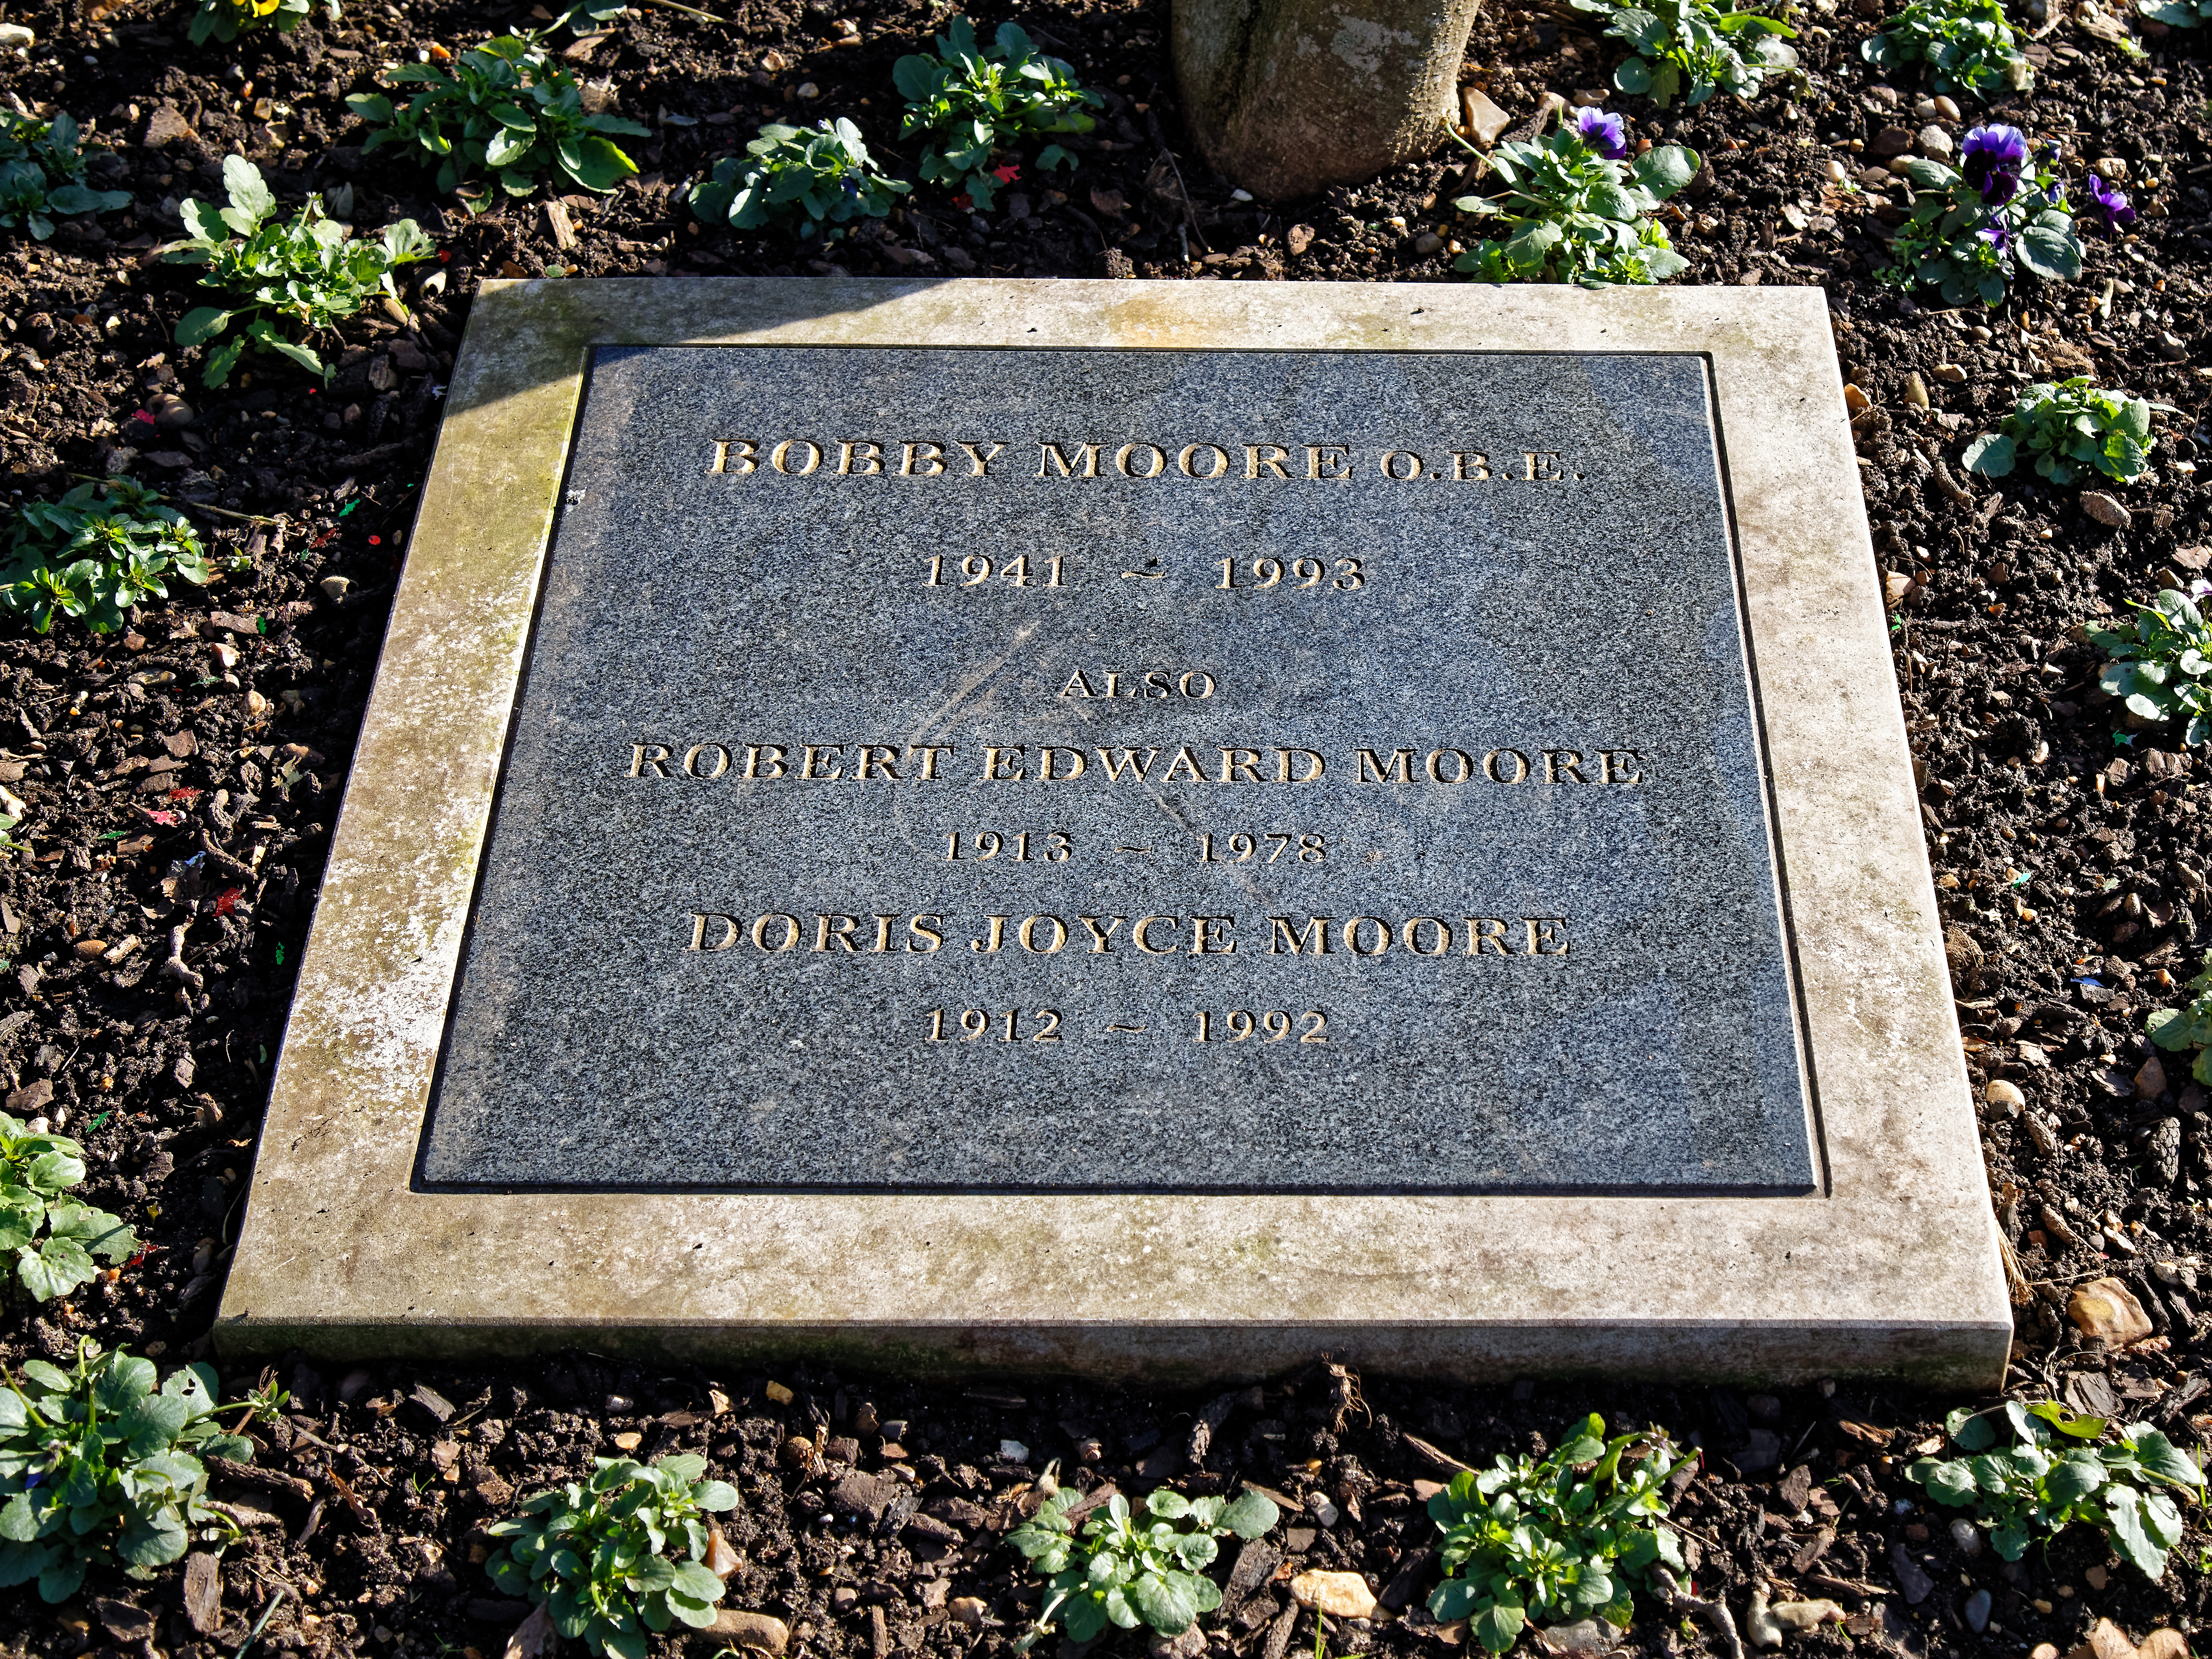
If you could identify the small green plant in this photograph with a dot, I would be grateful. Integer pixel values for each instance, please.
(97, 1468)
(94, 554)
(592, 1552)
(2073, 431)
(976, 105)
(281, 283)
(1128, 1569)
(264, 1403)
(1966, 45)
(42, 175)
(226, 20)
(1693, 48)
(2176, 14)
(1554, 1541)
(1970, 228)
(506, 107)
(2162, 665)
(2175, 1030)
(805, 180)
(2040, 1485)
(36, 1173)
(1575, 211)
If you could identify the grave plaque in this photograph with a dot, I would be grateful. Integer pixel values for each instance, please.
(1132, 771)
(1151, 829)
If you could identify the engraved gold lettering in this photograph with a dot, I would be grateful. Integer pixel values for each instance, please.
(842, 932)
(1098, 937)
(1284, 940)
(1409, 935)
(1391, 458)
(1183, 685)
(791, 932)
(814, 750)
(731, 932)
(1240, 765)
(769, 755)
(980, 461)
(850, 450)
(1265, 460)
(1470, 464)
(1382, 935)
(932, 457)
(1144, 925)
(1045, 773)
(1283, 765)
(1183, 758)
(655, 755)
(743, 451)
(1520, 765)
(782, 453)
(1562, 766)
(691, 760)
(1077, 686)
(1544, 934)
(1486, 934)
(1027, 936)
(875, 756)
(1321, 458)
(929, 752)
(1464, 765)
(992, 941)
(1156, 686)
(1128, 763)
(993, 761)
(1609, 758)
(883, 943)
(936, 940)
(1051, 455)
(1128, 451)
(1190, 453)
(1204, 942)
(1398, 769)
(1543, 466)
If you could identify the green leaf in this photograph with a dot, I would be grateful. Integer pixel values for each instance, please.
(1251, 1516)
(2162, 1459)
(201, 325)
(371, 107)
(1970, 1430)
(1498, 1626)
(1950, 1482)
(1633, 77)
(1164, 1601)
(2129, 1534)
(2047, 247)
(1991, 455)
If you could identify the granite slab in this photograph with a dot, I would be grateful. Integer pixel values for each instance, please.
(409, 1193)
(1110, 800)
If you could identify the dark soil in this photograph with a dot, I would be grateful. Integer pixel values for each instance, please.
(184, 776)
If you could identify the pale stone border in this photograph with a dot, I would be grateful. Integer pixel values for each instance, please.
(1895, 1269)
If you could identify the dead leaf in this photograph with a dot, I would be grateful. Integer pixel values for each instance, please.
(721, 1559)
(203, 1592)
(1111, 202)
(534, 1636)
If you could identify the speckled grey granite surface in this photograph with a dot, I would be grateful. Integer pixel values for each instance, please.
(703, 613)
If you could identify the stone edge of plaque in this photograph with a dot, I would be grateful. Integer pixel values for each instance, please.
(1894, 1270)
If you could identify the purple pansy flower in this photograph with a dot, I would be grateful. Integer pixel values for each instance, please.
(1998, 236)
(2118, 211)
(1992, 159)
(1606, 134)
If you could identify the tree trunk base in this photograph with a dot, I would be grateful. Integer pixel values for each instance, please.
(1288, 97)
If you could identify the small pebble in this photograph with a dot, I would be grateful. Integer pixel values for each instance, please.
(2007, 1098)
(2106, 510)
(1945, 109)
(1013, 1451)
(1978, 1611)
(335, 587)
(1966, 1539)
(1935, 143)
